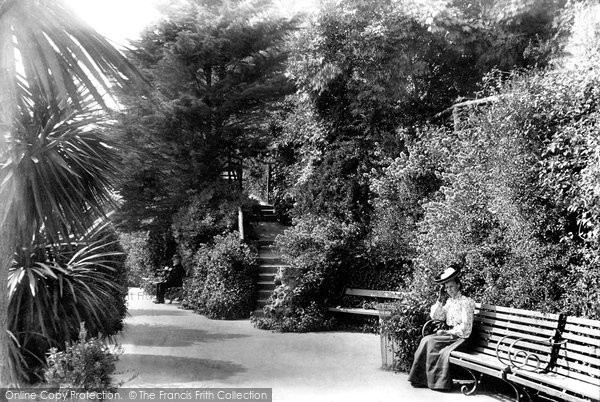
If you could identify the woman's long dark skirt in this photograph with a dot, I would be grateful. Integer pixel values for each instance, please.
(431, 367)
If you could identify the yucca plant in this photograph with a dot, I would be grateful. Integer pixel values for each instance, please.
(59, 166)
(54, 288)
(50, 60)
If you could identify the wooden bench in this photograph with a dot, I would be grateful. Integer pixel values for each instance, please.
(491, 350)
(552, 354)
(372, 294)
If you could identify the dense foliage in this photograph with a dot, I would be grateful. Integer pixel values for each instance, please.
(510, 206)
(223, 284)
(363, 142)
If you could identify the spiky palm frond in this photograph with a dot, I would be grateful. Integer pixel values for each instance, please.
(58, 51)
(59, 165)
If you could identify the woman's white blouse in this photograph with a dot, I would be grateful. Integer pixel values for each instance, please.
(458, 313)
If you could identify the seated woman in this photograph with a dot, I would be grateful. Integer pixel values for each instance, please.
(431, 367)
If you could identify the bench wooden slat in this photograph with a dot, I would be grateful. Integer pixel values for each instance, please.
(522, 345)
(491, 353)
(582, 353)
(577, 376)
(581, 339)
(383, 294)
(386, 294)
(517, 318)
(574, 365)
(568, 355)
(486, 360)
(505, 357)
(361, 311)
(477, 367)
(504, 350)
(516, 311)
(558, 393)
(583, 321)
(562, 382)
(586, 349)
(516, 329)
(595, 332)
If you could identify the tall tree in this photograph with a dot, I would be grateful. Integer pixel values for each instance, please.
(52, 66)
(217, 67)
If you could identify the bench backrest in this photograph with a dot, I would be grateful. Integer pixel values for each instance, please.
(385, 294)
(515, 336)
(579, 356)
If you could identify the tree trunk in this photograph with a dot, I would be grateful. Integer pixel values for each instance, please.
(7, 236)
(7, 222)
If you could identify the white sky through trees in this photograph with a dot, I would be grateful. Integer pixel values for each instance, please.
(122, 20)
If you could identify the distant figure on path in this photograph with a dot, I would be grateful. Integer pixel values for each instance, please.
(431, 367)
(173, 278)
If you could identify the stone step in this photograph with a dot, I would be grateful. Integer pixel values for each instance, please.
(268, 244)
(269, 269)
(265, 285)
(271, 261)
(258, 313)
(264, 293)
(268, 253)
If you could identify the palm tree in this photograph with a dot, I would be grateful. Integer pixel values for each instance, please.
(53, 68)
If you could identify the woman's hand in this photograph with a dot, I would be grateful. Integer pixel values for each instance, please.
(442, 332)
(441, 295)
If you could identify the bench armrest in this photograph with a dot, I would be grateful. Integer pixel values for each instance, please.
(432, 326)
(528, 359)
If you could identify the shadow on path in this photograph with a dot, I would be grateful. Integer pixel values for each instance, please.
(158, 369)
(155, 313)
(171, 336)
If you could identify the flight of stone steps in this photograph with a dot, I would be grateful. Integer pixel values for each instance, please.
(268, 258)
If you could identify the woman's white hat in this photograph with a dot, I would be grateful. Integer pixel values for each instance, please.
(448, 274)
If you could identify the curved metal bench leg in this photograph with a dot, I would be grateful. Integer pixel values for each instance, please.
(517, 393)
(465, 389)
(520, 392)
(526, 394)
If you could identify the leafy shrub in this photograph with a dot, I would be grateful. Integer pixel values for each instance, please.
(223, 285)
(404, 325)
(582, 285)
(86, 364)
(54, 288)
(319, 252)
